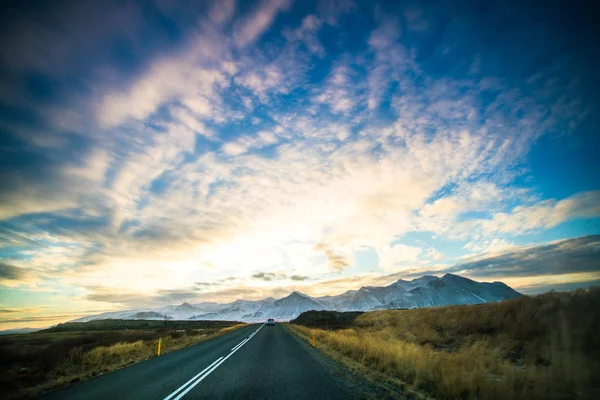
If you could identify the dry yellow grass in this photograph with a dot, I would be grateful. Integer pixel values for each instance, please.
(79, 365)
(530, 348)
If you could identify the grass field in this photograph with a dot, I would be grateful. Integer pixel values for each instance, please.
(543, 347)
(36, 362)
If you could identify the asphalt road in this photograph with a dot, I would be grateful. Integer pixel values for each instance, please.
(254, 362)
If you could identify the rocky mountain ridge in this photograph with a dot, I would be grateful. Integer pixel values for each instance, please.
(427, 291)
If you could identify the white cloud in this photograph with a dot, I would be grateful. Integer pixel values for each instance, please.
(543, 215)
(442, 214)
(268, 138)
(392, 257)
(193, 74)
(490, 247)
(163, 151)
(165, 81)
(250, 28)
(94, 169)
(391, 60)
(340, 93)
(244, 143)
(189, 121)
(307, 35)
(222, 12)
(199, 105)
(262, 80)
(234, 148)
(386, 34)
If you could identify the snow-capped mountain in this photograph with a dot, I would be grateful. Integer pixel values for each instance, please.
(126, 314)
(239, 310)
(427, 291)
(453, 289)
(294, 304)
(176, 312)
(366, 298)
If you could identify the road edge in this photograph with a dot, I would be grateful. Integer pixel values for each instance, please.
(46, 392)
(394, 389)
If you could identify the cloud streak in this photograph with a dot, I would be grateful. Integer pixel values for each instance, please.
(10, 272)
(567, 256)
(250, 28)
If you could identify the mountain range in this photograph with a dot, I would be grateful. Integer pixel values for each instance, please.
(427, 291)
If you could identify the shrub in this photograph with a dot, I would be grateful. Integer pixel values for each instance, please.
(531, 347)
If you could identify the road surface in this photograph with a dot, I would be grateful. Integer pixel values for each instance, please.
(253, 362)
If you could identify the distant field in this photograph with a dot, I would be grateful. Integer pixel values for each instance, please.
(539, 347)
(327, 319)
(120, 325)
(34, 362)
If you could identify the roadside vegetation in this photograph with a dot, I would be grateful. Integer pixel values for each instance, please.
(539, 347)
(33, 363)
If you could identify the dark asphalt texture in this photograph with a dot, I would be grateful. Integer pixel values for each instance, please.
(273, 364)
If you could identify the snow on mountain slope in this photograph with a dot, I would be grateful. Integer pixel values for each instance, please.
(147, 315)
(453, 289)
(237, 311)
(287, 308)
(126, 314)
(209, 306)
(424, 280)
(283, 309)
(374, 297)
(426, 291)
(335, 302)
(363, 300)
(185, 308)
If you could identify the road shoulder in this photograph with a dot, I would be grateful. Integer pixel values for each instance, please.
(368, 384)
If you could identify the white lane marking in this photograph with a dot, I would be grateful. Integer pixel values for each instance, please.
(239, 344)
(191, 380)
(206, 374)
(212, 369)
(218, 362)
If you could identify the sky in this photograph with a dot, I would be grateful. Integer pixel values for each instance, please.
(156, 152)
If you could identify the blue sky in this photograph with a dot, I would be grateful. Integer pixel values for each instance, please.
(160, 151)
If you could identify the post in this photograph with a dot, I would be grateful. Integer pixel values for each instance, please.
(313, 340)
(159, 340)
